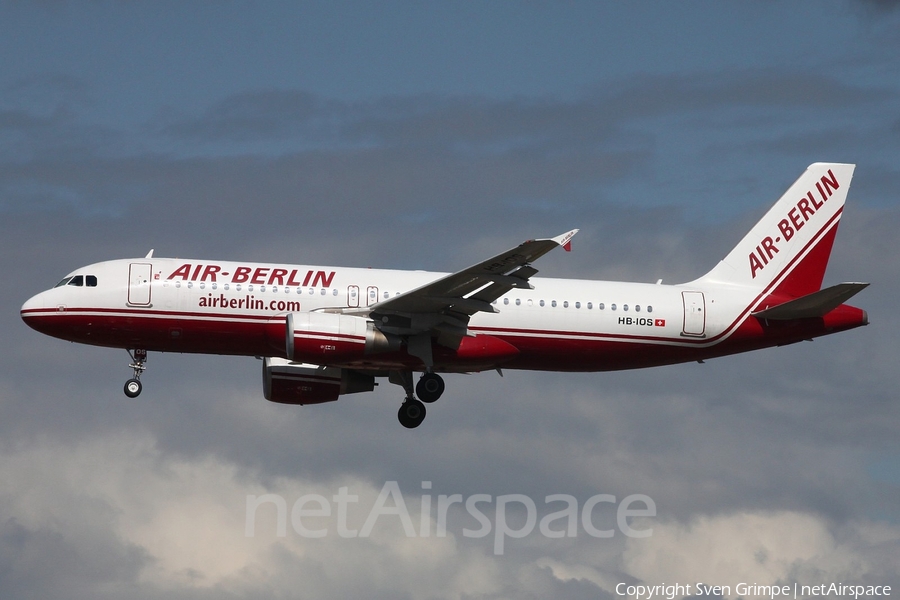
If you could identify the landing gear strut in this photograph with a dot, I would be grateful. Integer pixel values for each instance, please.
(133, 386)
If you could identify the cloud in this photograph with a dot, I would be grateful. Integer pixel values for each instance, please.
(780, 547)
(118, 511)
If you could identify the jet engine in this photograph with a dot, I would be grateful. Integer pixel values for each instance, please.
(328, 338)
(288, 382)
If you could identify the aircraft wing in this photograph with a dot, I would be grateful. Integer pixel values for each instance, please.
(445, 305)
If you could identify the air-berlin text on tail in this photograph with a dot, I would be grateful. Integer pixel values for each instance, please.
(255, 275)
(794, 221)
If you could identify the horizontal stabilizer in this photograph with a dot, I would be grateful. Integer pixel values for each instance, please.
(817, 304)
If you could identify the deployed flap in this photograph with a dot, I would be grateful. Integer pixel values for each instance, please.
(490, 279)
(817, 304)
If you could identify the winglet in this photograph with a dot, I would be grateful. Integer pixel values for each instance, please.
(565, 240)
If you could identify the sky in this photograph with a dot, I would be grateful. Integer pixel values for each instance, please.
(430, 135)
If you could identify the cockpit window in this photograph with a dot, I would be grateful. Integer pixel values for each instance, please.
(79, 281)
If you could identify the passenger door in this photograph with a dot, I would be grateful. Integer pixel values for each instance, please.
(694, 314)
(139, 284)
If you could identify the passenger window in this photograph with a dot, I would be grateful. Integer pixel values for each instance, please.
(612, 307)
(506, 301)
(625, 307)
(518, 301)
(553, 303)
(90, 280)
(542, 302)
(637, 308)
(590, 305)
(601, 306)
(324, 291)
(578, 305)
(333, 292)
(649, 308)
(566, 304)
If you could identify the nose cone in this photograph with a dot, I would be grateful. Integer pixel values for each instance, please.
(32, 310)
(31, 304)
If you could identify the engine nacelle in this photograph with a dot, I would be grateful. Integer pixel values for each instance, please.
(328, 338)
(288, 382)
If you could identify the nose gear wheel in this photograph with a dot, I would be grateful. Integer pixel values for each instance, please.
(133, 386)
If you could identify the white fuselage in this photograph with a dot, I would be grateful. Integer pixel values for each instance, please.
(228, 308)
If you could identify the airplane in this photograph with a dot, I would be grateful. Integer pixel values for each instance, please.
(323, 332)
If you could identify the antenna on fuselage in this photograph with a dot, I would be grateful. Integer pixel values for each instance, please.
(149, 254)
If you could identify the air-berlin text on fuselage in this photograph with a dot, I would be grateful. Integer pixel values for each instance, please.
(255, 275)
(793, 221)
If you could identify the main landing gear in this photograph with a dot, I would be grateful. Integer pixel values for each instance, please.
(429, 388)
(133, 386)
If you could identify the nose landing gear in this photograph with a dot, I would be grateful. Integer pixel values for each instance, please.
(133, 386)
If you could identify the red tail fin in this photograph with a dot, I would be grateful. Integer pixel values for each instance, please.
(786, 253)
